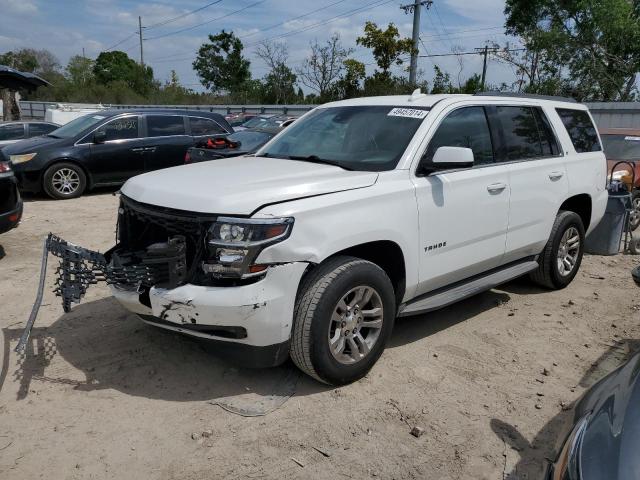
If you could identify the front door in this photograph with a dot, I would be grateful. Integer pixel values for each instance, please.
(463, 214)
(121, 155)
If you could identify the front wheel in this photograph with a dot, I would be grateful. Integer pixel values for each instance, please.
(343, 317)
(64, 180)
(560, 260)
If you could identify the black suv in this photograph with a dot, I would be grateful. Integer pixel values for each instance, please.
(107, 148)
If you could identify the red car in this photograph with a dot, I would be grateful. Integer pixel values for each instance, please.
(623, 144)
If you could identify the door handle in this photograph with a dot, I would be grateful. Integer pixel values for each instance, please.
(553, 176)
(496, 187)
(150, 149)
(138, 149)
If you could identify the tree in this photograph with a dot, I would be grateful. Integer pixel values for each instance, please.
(324, 66)
(80, 70)
(386, 45)
(350, 84)
(220, 64)
(280, 81)
(441, 81)
(589, 49)
(116, 66)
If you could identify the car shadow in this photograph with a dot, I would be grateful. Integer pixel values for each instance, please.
(535, 455)
(410, 329)
(28, 197)
(109, 348)
(3, 253)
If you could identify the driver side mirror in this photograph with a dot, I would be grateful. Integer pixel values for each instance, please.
(448, 158)
(100, 136)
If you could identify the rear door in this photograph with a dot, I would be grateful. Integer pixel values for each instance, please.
(121, 156)
(537, 176)
(11, 133)
(167, 141)
(462, 213)
(202, 128)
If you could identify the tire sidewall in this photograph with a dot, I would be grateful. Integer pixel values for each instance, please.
(48, 176)
(635, 198)
(566, 221)
(325, 365)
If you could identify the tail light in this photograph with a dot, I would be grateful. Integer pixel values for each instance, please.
(5, 167)
(187, 157)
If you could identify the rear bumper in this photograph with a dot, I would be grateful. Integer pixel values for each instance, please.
(253, 320)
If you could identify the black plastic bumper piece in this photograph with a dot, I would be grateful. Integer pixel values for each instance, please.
(11, 219)
(240, 354)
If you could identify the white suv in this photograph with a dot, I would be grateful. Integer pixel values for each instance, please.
(361, 211)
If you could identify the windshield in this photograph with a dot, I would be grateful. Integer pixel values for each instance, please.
(255, 122)
(250, 140)
(369, 138)
(621, 147)
(77, 126)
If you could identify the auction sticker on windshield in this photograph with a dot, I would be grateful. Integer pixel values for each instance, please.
(407, 112)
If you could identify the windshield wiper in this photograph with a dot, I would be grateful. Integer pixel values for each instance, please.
(317, 159)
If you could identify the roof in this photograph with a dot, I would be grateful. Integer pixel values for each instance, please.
(175, 111)
(424, 100)
(13, 122)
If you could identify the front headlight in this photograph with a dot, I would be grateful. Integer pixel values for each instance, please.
(21, 158)
(567, 466)
(233, 244)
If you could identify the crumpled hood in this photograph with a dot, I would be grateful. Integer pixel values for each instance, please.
(240, 185)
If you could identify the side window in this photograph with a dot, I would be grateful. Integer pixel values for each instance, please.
(580, 129)
(12, 132)
(120, 128)
(547, 137)
(465, 127)
(521, 137)
(204, 126)
(37, 129)
(165, 125)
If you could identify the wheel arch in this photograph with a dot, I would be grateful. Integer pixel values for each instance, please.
(582, 205)
(387, 254)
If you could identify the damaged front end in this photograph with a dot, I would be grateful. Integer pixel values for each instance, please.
(189, 272)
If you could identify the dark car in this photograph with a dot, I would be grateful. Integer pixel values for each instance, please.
(10, 201)
(11, 132)
(107, 148)
(239, 143)
(237, 119)
(604, 442)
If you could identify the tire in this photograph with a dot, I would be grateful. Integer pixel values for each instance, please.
(548, 273)
(64, 180)
(634, 221)
(319, 297)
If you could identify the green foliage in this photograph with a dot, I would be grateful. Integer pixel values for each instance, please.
(386, 45)
(220, 64)
(116, 66)
(441, 81)
(279, 86)
(589, 49)
(350, 84)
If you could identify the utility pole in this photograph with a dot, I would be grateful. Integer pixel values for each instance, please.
(415, 9)
(484, 68)
(140, 33)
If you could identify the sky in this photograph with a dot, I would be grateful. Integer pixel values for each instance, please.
(172, 34)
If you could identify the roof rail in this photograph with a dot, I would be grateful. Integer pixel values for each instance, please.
(526, 95)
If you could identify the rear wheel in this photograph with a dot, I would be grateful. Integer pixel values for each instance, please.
(344, 316)
(560, 260)
(634, 220)
(64, 180)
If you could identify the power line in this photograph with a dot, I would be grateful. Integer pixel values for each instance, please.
(471, 53)
(349, 13)
(205, 23)
(120, 42)
(292, 19)
(169, 20)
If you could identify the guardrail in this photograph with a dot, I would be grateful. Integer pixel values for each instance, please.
(36, 110)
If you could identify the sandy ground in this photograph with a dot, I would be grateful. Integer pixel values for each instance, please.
(102, 395)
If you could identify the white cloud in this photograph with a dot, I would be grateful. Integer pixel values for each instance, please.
(20, 7)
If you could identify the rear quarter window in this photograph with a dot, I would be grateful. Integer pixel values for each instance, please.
(580, 129)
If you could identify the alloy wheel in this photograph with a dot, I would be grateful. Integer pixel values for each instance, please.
(65, 181)
(568, 251)
(355, 324)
